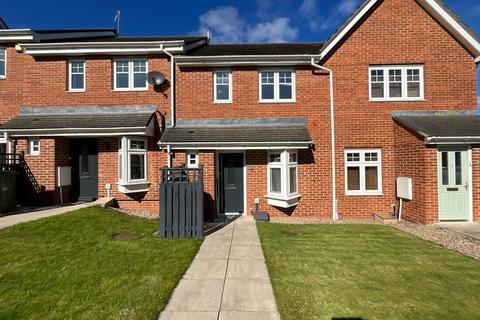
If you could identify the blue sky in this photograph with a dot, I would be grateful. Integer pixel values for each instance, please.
(228, 21)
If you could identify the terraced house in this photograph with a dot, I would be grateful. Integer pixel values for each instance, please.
(312, 131)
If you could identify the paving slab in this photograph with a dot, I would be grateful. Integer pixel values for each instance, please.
(248, 295)
(228, 279)
(470, 229)
(206, 269)
(247, 269)
(196, 295)
(250, 315)
(13, 219)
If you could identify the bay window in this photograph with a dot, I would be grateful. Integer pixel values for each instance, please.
(282, 179)
(132, 165)
(363, 172)
(396, 83)
(277, 86)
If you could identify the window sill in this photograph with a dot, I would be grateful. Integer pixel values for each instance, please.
(75, 91)
(282, 202)
(363, 194)
(133, 187)
(398, 100)
(223, 102)
(129, 90)
(276, 101)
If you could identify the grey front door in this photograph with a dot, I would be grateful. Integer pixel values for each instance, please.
(231, 183)
(84, 153)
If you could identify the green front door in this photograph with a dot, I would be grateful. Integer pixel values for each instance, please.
(453, 193)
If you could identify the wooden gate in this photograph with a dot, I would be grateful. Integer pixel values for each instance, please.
(181, 203)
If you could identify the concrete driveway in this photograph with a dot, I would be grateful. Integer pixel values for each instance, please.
(466, 228)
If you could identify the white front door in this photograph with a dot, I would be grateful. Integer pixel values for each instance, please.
(453, 184)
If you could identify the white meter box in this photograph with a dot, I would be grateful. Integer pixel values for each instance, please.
(405, 188)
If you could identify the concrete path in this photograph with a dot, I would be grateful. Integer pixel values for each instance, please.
(13, 219)
(466, 228)
(227, 280)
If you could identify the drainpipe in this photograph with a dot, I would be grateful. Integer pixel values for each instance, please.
(332, 122)
(169, 156)
(172, 85)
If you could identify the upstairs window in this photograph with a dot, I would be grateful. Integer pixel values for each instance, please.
(3, 63)
(396, 83)
(130, 74)
(222, 86)
(363, 172)
(277, 86)
(76, 77)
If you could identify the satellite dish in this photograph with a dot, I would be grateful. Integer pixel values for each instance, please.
(156, 78)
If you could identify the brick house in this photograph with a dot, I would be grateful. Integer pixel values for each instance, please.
(261, 119)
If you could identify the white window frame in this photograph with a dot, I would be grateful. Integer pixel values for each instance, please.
(230, 89)
(70, 74)
(31, 147)
(194, 155)
(386, 82)
(284, 165)
(362, 164)
(4, 76)
(276, 86)
(130, 74)
(124, 153)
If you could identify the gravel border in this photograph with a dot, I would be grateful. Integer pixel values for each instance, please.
(449, 239)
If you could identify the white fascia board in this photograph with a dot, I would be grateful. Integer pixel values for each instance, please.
(78, 132)
(347, 28)
(245, 60)
(8, 35)
(451, 25)
(477, 60)
(111, 48)
(452, 140)
(236, 145)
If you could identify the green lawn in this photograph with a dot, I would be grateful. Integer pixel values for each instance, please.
(70, 267)
(367, 272)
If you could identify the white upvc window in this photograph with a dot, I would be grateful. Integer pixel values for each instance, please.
(282, 175)
(3, 63)
(192, 159)
(363, 172)
(396, 83)
(222, 86)
(276, 85)
(132, 160)
(34, 147)
(130, 75)
(76, 75)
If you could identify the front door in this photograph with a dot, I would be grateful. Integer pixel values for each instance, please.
(231, 183)
(453, 184)
(84, 157)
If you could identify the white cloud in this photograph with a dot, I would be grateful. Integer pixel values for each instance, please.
(319, 21)
(278, 30)
(226, 26)
(346, 7)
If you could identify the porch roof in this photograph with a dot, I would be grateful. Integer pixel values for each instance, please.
(81, 121)
(240, 134)
(442, 127)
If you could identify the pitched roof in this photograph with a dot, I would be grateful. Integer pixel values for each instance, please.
(437, 8)
(438, 126)
(261, 132)
(78, 119)
(299, 48)
(186, 39)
